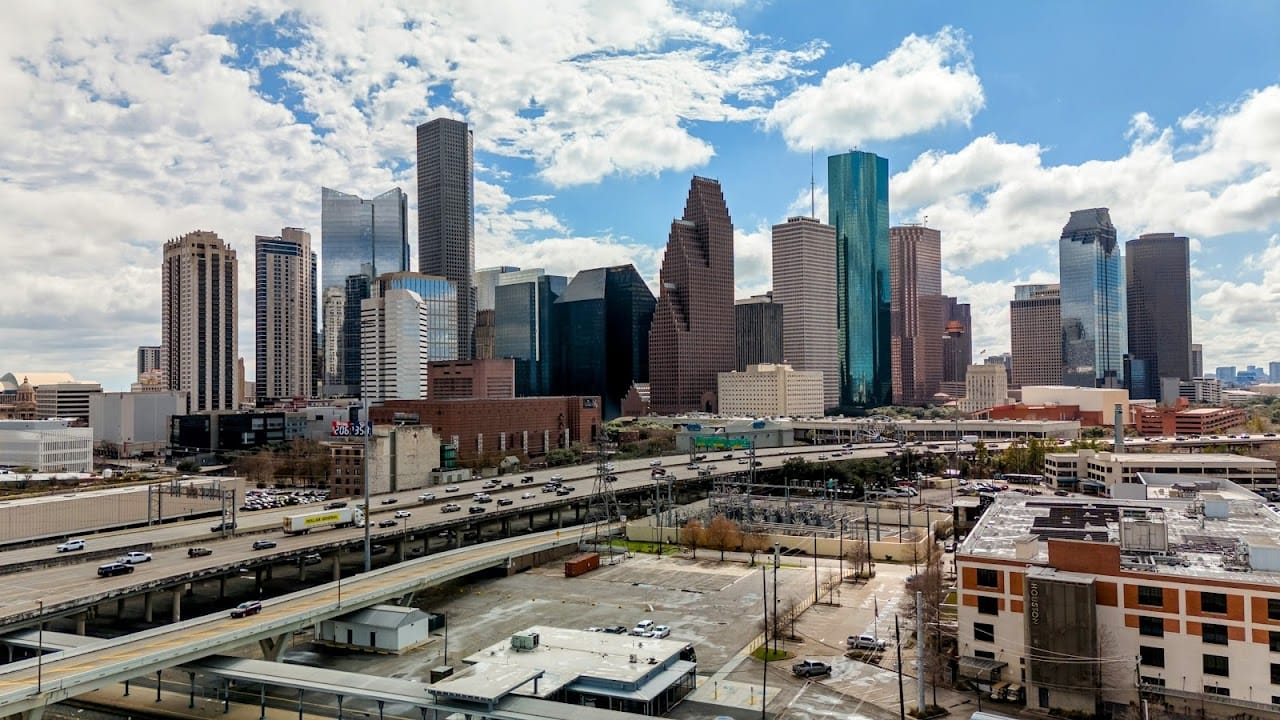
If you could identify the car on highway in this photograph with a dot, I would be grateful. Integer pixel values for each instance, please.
(228, 525)
(263, 544)
(526, 480)
(387, 523)
(563, 491)
(864, 642)
(508, 485)
(247, 608)
(390, 501)
(557, 478)
(112, 569)
(71, 546)
(548, 488)
(311, 559)
(198, 552)
(403, 514)
(134, 557)
(335, 504)
(426, 497)
(505, 501)
(379, 550)
(451, 488)
(475, 509)
(727, 456)
(450, 507)
(528, 495)
(810, 668)
(655, 463)
(610, 478)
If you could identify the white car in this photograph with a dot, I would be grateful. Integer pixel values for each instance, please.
(528, 495)
(655, 463)
(426, 497)
(659, 631)
(133, 558)
(403, 514)
(71, 545)
(452, 488)
(642, 628)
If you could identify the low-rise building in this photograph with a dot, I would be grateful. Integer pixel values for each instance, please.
(771, 390)
(46, 446)
(1097, 472)
(1097, 405)
(133, 423)
(65, 400)
(986, 386)
(1181, 420)
(402, 457)
(381, 628)
(1096, 605)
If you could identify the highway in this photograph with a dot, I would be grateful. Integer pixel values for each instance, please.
(72, 672)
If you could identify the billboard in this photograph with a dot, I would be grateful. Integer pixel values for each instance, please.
(720, 442)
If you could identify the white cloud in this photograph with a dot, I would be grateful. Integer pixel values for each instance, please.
(926, 82)
(1236, 321)
(752, 260)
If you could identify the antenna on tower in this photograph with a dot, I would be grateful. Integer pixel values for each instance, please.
(813, 212)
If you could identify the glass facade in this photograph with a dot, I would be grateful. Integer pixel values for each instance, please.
(1158, 285)
(1092, 292)
(439, 298)
(523, 327)
(858, 205)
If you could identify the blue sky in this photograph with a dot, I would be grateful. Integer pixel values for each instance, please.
(136, 123)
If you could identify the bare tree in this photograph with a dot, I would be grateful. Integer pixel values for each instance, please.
(691, 535)
(722, 534)
(929, 582)
(858, 554)
(754, 542)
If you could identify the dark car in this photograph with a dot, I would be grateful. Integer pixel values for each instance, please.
(247, 608)
(335, 505)
(379, 550)
(526, 479)
(114, 568)
(563, 491)
(505, 501)
(508, 485)
(390, 501)
(263, 544)
(810, 668)
(475, 509)
(223, 526)
(611, 478)
(198, 552)
(387, 523)
(616, 629)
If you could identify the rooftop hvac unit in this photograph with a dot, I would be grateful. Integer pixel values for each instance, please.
(1143, 535)
(1215, 506)
(524, 641)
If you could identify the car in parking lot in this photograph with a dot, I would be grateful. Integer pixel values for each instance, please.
(616, 629)
(379, 550)
(134, 557)
(450, 507)
(864, 642)
(810, 668)
(950, 546)
(642, 628)
(505, 501)
(114, 568)
(71, 545)
(659, 631)
(387, 523)
(403, 514)
(263, 544)
(247, 608)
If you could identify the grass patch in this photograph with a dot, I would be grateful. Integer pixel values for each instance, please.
(768, 654)
(649, 548)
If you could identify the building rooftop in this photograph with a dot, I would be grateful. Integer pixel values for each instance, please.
(1206, 528)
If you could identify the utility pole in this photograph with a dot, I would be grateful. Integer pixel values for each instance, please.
(920, 652)
(902, 700)
(368, 431)
(764, 691)
(777, 559)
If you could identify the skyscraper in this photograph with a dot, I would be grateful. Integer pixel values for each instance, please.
(691, 341)
(148, 359)
(406, 323)
(915, 313)
(1035, 334)
(198, 320)
(804, 284)
(1158, 285)
(1197, 360)
(757, 324)
(602, 326)
(957, 340)
(1093, 296)
(357, 236)
(358, 288)
(284, 314)
(858, 205)
(523, 327)
(446, 215)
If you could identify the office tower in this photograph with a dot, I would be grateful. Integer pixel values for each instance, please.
(356, 290)
(198, 320)
(1035, 335)
(804, 284)
(486, 282)
(691, 341)
(1092, 293)
(1158, 287)
(1197, 360)
(409, 320)
(915, 313)
(446, 212)
(523, 327)
(284, 328)
(985, 386)
(602, 336)
(148, 359)
(1273, 371)
(858, 207)
(1226, 374)
(957, 339)
(485, 336)
(357, 237)
(757, 323)
(1004, 360)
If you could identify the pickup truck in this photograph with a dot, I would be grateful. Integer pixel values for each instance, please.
(810, 668)
(134, 557)
(198, 552)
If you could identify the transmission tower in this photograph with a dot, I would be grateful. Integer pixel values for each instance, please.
(602, 504)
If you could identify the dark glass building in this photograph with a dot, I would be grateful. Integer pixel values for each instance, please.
(691, 341)
(524, 327)
(1158, 290)
(858, 205)
(358, 287)
(446, 215)
(757, 323)
(601, 347)
(1092, 301)
(957, 342)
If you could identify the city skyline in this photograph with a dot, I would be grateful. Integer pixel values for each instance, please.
(990, 159)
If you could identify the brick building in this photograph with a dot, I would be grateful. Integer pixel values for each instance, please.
(1179, 420)
(472, 379)
(485, 431)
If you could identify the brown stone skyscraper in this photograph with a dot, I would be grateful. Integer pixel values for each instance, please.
(916, 321)
(691, 339)
(198, 341)
(1035, 335)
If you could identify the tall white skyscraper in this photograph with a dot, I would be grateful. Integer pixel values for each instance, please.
(409, 321)
(198, 320)
(284, 314)
(804, 283)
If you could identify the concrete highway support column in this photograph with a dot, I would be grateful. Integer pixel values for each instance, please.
(273, 647)
(337, 565)
(506, 527)
(120, 608)
(177, 605)
(400, 549)
(302, 570)
(34, 713)
(81, 619)
(257, 581)
(530, 522)
(148, 600)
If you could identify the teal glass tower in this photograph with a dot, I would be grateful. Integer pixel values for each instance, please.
(858, 204)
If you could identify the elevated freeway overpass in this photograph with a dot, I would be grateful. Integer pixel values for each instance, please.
(31, 685)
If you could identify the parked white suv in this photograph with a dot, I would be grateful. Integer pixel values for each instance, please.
(642, 628)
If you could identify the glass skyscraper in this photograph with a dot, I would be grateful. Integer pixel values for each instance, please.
(1158, 281)
(357, 237)
(858, 205)
(523, 326)
(1092, 301)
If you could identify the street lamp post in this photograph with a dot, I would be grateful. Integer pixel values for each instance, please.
(40, 650)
